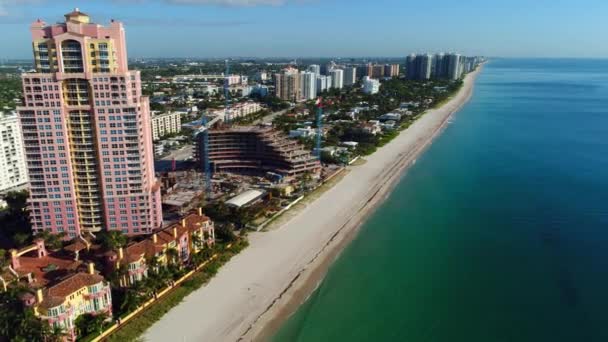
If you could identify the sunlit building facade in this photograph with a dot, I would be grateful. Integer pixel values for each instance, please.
(87, 132)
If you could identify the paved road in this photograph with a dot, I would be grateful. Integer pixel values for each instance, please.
(181, 157)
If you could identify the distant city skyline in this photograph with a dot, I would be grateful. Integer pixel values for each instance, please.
(262, 28)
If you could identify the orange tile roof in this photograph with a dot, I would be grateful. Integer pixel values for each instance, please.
(77, 246)
(37, 267)
(144, 248)
(56, 294)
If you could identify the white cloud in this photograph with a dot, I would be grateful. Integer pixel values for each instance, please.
(231, 3)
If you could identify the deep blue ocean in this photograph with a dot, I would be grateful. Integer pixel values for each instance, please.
(498, 233)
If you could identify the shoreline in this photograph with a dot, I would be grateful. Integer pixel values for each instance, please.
(260, 288)
(311, 277)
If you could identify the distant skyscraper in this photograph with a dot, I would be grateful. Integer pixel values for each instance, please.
(308, 84)
(350, 76)
(410, 67)
(391, 70)
(87, 132)
(454, 66)
(378, 71)
(315, 68)
(13, 172)
(287, 85)
(424, 64)
(439, 66)
(337, 76)
(375, 70)
(322, 84)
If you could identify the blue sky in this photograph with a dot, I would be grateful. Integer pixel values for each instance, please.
(331, 28)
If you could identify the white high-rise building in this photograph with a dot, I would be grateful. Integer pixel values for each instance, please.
(308, 85)
(321, 84)
(337, 76)
(315, 68)
(13, 171)
(350, 76)
(370, 85)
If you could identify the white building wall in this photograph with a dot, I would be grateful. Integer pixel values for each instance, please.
(337, 76)
(370, 85)
(165, 124)
(350, 76)
(13, 170)
(308, 85)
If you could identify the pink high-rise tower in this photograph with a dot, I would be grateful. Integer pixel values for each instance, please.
(87, 132)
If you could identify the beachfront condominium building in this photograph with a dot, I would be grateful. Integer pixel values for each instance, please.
(454, 66)
(350, 76)
(165, 123)
(410, 67)
(13, 172)
(287, 85)
(424, 65)
(308, 84)
(337, 78)
(87, 132)
(419, 67)
(439, 69)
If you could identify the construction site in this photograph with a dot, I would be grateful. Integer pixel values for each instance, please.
(243, 175)
(255, 150)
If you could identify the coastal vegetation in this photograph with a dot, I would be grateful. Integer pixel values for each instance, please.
(134, 328)
(347, 112)
(10, 93)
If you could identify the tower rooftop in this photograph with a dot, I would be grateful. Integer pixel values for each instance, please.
(78, 16)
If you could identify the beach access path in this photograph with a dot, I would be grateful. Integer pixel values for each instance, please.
(254, 292)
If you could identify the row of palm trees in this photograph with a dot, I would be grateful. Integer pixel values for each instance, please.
(159, 276)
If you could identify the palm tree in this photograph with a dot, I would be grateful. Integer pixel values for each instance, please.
(152, 264)
(197, 242)
(172, 256)
(54, 334)
(112, 240)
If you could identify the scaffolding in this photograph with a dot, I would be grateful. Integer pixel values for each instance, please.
(203, 132)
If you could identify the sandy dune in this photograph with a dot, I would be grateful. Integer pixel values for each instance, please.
(257, 289)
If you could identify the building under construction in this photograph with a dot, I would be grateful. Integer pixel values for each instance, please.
(256, 150)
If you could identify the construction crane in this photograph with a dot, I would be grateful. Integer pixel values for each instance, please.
(319, 104)
(227, 114)
(204, 152)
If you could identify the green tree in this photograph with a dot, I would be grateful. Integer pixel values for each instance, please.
(88, 324)
(52, 241)
(17, 322)
(172, 256)
(21, 239)
(111, 240)
(225, 232)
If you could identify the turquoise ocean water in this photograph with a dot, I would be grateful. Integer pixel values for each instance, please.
(498, 233)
